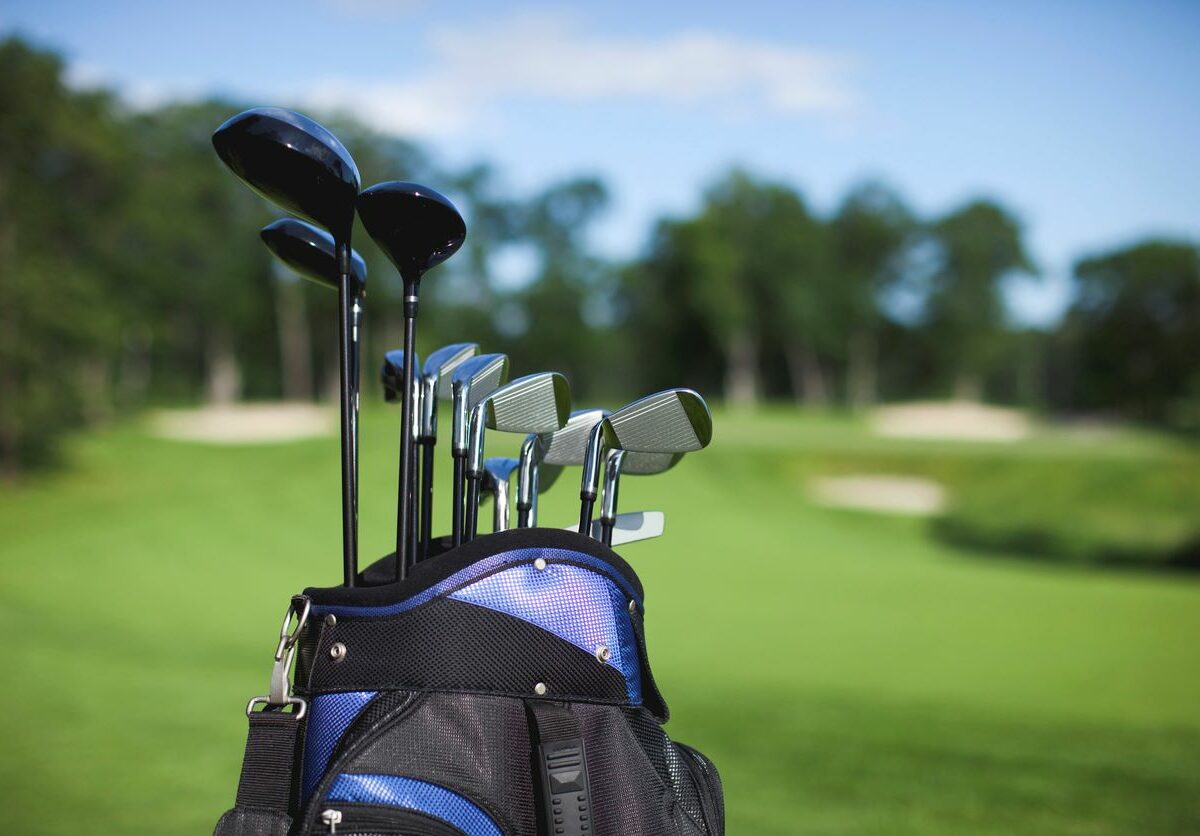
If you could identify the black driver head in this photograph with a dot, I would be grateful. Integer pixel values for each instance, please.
(310, 252)
(416, 227)
(293, 162)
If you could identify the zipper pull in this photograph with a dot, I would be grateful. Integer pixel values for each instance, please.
(331, 819)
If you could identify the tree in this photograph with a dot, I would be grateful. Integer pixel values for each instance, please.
(63, 175)
(1134, 332)
(869, 234)
(978, 246)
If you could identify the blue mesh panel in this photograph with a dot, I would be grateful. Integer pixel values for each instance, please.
(329, 715)
(572, 603)
(411, 794)
(478, 569)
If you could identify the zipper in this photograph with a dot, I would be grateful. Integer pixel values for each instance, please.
(375, 820)
(331, 819)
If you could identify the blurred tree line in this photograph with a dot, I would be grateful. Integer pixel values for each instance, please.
(131, 274)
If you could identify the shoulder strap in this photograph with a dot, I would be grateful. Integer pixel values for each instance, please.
(267, 787)
(560, 769)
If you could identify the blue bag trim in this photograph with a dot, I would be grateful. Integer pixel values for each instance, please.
(573, 603)
(478, 569)
(415, 795)
(329, 715)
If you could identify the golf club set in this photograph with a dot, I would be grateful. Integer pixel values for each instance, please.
(465, 684)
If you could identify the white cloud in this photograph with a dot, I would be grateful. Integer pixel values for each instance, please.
(473, 71)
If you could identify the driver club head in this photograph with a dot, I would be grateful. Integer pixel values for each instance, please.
(309, 252)
(293, 162)
(416, 227)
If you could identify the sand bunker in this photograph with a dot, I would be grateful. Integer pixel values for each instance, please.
(908, 495)
(959, 420)
(245, 423)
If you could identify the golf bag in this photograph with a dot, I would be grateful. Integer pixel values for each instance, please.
(501, 689)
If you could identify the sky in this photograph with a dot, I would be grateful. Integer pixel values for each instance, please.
(1081, 117)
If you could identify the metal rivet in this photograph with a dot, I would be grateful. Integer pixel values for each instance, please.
(330, 620)
(337, 651)
(633, 608)
(540, 689)
(603, 654)
(540, 564)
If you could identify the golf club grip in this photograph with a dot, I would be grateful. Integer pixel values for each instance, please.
(457, 510)
(586, 504)
(346, 366)
(426, 496)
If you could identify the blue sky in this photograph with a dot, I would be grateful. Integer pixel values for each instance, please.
(1082, 117)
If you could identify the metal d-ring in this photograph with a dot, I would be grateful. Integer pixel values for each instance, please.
(300, 703)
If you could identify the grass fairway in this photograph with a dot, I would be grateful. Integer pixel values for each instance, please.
(848, 674)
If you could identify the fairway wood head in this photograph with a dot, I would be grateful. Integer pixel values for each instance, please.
(470, 383)
(416, 227)
(309, 251)
(293, 162)
(537, 403)
(391, 374)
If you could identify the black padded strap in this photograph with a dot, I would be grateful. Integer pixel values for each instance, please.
(560, 770)
(267, 787)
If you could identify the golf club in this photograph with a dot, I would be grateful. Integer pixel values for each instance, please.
(435, 383)
(311, 253)
(301, 167)
(671, 421)
(392, 377)
(497, 479)
(417, 229)
(627, 462)
(537, 403)
(544, 456)
(629, 527)
(472, 381)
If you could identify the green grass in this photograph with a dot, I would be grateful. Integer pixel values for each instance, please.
(849, 673)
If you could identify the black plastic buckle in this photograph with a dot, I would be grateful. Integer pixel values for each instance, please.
(565, 788)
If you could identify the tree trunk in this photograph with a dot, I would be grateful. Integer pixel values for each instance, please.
(862, 372)
(968, 387)
(295, 341)
(808, 380)
(133, 373)
(741, 370)
(223, 373)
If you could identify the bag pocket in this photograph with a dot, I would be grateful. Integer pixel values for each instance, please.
(394, 804)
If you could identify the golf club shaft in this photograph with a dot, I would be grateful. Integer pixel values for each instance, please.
(427, 449)
(457, 511)
(470, 524)
(414, 505)
(586, 504)
(349, 416)
(404, 514)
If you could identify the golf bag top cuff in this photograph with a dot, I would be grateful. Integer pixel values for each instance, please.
(430, 575)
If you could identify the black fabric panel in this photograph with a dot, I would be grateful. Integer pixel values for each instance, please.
(450, 645)
(477, 746)
(429, 572)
